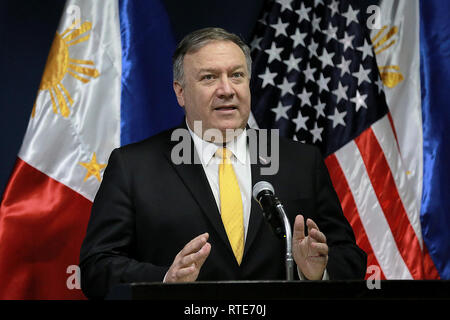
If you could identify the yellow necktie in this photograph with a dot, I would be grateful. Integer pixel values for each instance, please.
(231, 209)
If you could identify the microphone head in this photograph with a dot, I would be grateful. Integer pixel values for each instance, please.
(262, 186)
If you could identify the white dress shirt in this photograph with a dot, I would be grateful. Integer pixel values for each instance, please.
(240, 161)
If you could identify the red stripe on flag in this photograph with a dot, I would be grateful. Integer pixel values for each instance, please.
(391, 121)
(350, 210)
(384, 186)
(42, 226)
(430, 271)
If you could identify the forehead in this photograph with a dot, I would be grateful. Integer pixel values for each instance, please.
(215, 54)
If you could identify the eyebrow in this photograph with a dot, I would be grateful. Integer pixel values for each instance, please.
(215, 70)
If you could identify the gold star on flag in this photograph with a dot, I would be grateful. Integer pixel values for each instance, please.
(93, 168)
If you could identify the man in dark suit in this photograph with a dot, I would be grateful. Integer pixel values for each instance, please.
(156, 218)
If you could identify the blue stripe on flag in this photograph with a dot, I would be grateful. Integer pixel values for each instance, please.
(435, 78)
(148, 103)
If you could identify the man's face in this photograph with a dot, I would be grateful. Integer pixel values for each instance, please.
(216, 87)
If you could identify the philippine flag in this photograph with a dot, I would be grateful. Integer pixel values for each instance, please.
(107, 83)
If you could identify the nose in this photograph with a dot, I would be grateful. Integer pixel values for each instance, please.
(225, 89)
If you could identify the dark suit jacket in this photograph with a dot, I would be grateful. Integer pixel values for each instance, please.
(147, 209)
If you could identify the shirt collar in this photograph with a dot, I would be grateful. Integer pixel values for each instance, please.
(206, 150)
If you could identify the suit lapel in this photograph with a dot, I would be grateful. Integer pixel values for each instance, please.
(195, 180)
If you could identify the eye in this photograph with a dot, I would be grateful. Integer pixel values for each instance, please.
(207, 77)
(238, 75)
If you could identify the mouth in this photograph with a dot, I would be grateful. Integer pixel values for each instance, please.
(225, 108)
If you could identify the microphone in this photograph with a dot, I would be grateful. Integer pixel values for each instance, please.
(273, 211)
(264, 194)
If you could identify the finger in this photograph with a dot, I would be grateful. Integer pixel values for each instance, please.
(311, 224)
(319, 248)
(184, 272)
(196, 258)
(187, 260)
(318, 236)
(299, 228)
(194, 245)
(203, 255)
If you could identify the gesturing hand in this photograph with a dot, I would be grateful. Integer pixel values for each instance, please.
(189, 260)
(311, 252)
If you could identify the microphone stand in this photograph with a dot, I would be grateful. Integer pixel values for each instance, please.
(288, 239)
(276, 217)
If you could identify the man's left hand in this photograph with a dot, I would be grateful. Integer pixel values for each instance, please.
(310, 252)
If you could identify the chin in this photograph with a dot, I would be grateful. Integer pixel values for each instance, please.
(230, 126)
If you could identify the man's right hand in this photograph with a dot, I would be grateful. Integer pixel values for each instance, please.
(189, 260)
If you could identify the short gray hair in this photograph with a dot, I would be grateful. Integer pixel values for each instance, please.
(196, 40)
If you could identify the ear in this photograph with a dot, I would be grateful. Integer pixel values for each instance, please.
(179, 92)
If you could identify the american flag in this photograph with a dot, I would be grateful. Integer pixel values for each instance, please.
(316, 79)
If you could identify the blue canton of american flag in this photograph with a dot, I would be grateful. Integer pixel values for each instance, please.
(315, 78)
(315, 74)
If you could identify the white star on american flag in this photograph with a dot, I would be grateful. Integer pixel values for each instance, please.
(366, 50)
(268, 77)
(334, 7)
(273, 52)
(299, 38)
(359, 100)
(326, 58)
(256, 43)
(281, 111)
(285, 4)
(362, 75)
(280, 28)
(292, 63)
(316, 133)
(263, 20)
(344, 66)
(331, 32)
(338, 117)
(319, 109)
(309, 73)
(347, 41)
(351, 15)
(303, 13)
(305, 97)
(286, 87)
(316, 23)
(323, 83)
(300, 122)
(312, 48)
(379, 84)
(341, 92)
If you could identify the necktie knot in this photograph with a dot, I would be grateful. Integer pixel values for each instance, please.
(224, 154)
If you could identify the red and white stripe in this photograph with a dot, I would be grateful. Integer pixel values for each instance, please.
(370, 180)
